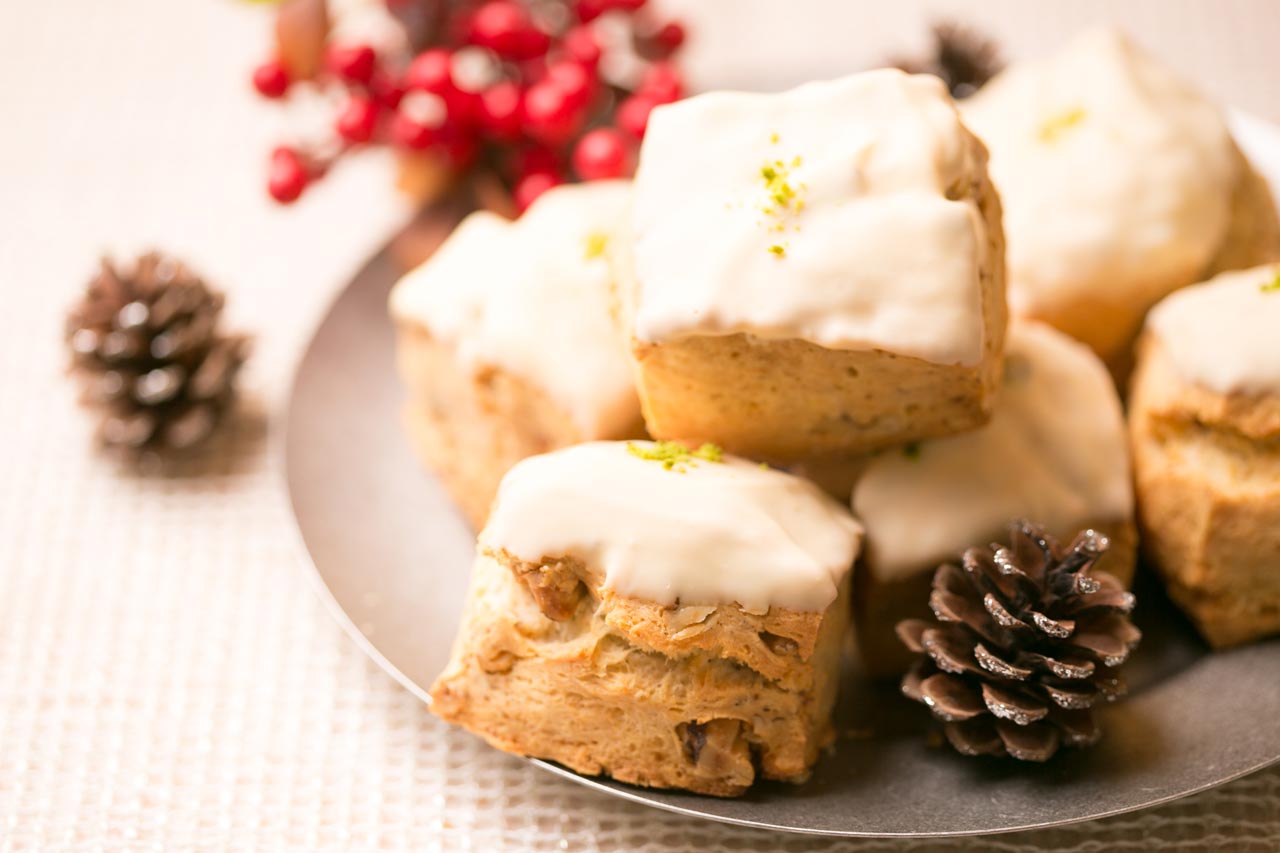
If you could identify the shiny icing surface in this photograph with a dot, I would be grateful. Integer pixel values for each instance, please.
(532, 297)
(852, 244)
(1224, 335)
(702, 532)
(1116, 177)
(1054, 451)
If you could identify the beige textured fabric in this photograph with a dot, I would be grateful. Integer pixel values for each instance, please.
(167, 679)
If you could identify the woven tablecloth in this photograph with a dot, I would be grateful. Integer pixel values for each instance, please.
(168, 681)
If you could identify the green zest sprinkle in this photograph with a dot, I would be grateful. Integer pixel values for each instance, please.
(783, 201)
(595, 245)
(912, 450)
(1271, 286)
(673, 455)
(1054, 127)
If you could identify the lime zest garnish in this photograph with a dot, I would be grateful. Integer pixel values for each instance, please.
(673, 455)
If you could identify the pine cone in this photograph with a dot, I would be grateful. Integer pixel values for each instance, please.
(1027, 640)
(146, 350)
(962, 57)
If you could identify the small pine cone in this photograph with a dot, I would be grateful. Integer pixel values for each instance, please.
(1027, 640)
(148, 355)
(964, 59)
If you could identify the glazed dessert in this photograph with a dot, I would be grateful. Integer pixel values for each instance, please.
(667, 617)
(815, 271)
(1054, 452)
(506, 342)
(1120, 184)
(1205, 430)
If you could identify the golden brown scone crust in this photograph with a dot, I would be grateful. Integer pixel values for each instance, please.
(1208, 487)
(550, 664)
(784, 400)
(470, 427)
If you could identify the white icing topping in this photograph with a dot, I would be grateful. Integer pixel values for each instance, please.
(712, 533)
(532, 298)
(1115, 177)
(1054, 452)
(1224, 335)
(872, 253)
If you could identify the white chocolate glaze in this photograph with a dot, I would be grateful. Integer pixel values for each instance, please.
(1054, 452)
(1116, 178)
(712, 533)
(532, 297)
(1224, 335)
(873, 253)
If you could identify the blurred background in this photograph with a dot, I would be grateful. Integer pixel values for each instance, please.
(166, 677)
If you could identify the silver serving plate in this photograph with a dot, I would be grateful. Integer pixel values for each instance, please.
(391, 556)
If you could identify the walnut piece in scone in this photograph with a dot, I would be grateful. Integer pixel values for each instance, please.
(1205, 431)
(668, 619)
(506, 342)
(817, 271)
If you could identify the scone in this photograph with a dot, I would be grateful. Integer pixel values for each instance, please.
(1054, 453)
(665, 617)
(816, 271)
(1205, 430)
(507, 344)
(1120, 184)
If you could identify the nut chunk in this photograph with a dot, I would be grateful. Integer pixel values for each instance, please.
(506, 342)
(667, 616)
(1205, 427)
(815, 271)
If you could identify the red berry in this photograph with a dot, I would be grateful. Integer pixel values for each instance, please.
(386, 90)
(531, 186)
(661, 42)
(358, 119)
(574, 80)
(410, 133)
(602, 153)
(589, 10)
(287, 177)
(581, 45)
(271, 79)
(627, 5)
(537, 158)
(354, 63)
(549, 113)
(633, 115)
(505, 27)
(458, 147)
(499, 110)
(662, 82)
(431, 71)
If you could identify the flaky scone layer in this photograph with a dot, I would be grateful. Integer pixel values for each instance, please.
(1207, 467)
(706, 698)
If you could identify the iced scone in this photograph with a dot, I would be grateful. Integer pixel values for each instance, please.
(816, 271)
(1120, 184)
(1205, 427)
(665, 616)
(1055, 452)
(507, 344)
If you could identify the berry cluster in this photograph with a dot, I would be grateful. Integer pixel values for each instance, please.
(532, 92)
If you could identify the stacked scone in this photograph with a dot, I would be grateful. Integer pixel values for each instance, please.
(1205, 425)
(1120, 184)
(815, 280)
